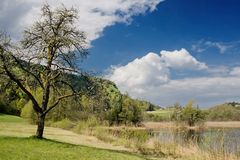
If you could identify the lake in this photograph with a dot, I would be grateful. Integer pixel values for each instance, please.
(210, 139)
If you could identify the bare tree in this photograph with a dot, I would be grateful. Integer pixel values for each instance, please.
(48, 53)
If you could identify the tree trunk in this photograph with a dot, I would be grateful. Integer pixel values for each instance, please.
(190, 122)
(40, 126)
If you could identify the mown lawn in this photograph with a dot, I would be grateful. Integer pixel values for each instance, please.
(161, 114)
(15, 144)
(165, 113)
(33, 149)
(11, 118)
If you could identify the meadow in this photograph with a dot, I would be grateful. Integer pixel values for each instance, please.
(16, 143)
(98, 142)
(13, 148)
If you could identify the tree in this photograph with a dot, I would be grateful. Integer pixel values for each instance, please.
(177, 109)
(188, 114)
(46, 57)
(131, 112)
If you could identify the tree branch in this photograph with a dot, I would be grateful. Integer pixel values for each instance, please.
(18, 82)
(57, 102)
(28, 71)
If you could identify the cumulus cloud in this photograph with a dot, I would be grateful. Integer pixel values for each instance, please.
(94, 16)
(152, 69)
(141, 73)
(149, 78)
(181, 59)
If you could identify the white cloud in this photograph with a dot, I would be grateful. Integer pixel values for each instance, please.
(149, 78)
(235, 71)
(205, 91)
(181, 59)
(94, 15)
(222, 47)
(218, 70)
(140, 74)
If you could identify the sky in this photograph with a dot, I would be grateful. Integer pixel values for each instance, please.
(160, 51)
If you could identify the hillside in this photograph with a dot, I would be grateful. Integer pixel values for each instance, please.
(104, 101)
(224, 112)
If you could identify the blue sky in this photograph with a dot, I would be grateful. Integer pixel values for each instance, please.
(173, 25)
(162, 51)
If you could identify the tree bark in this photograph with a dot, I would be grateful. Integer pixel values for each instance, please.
(40, 126)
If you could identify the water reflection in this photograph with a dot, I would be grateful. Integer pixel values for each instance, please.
(189, 135)
(223, 140)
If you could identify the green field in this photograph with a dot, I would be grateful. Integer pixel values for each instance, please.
(159, 115)
(9, 118)
(31, 148)
(163, 113)
(15, 144)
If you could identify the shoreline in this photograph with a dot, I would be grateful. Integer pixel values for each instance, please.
(208, 124)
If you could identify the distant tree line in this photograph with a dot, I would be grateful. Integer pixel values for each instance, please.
(224, 112)
(106, 103)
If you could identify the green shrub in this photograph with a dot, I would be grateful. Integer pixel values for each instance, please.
(3, 108)
(80, 127)
(103, 135)
(131, 112)
(64, 124)
(134, 134)
(188, 114)
(223, 112)
(8, 108)
(156, 117)
(87, 125)
(28, 113)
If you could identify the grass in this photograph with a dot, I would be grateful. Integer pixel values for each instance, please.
(15, 144)
(12, 126)
(31, 148)
(158, 115)
(68, 145)
(162, 113)
(11, 119)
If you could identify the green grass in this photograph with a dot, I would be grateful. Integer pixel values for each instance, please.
(10, 118)
(163, 113)
(24, 148)
(159, 115)
(31, 149)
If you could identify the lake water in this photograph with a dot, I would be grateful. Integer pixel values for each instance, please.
(213, 139)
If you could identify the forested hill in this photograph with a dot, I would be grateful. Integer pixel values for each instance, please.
(100, 98)
(224, 112)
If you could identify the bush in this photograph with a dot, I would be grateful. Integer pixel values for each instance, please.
(86, 126)
(64, 124)
(8, 108)
(131, 112)
(4, 108)
(103, 135)
(188, 114)
(28, 113)
(135, 135)
(223, 112)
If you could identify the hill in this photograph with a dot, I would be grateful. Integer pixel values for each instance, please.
(224, 112)
(104, 102)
